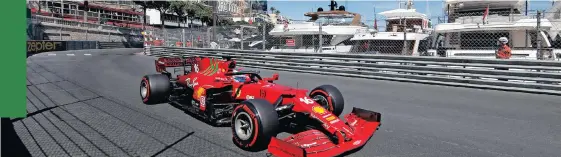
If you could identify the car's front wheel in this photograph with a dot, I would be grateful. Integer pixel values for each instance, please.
(254, 123)
(329, 97)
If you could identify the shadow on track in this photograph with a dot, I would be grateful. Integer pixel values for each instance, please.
(12, 144)
(197, 116)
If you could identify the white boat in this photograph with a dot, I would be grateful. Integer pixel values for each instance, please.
(395, 40)
(467, 35)
(554, 16)
(337, 27)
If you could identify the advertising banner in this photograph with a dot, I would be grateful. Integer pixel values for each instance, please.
(38, 46)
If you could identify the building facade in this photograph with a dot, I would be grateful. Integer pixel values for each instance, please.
(118, 13)
(256, 6)
(229, 7)
(126, 13)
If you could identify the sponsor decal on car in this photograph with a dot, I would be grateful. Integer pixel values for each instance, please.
(308, 145)
(200, 92)
(196, 68)
(221, 79)
(202, 101)
(249, 97)
(239, 93)
(357, 142)
(262, 93)
(191, 84)
(191, 61)
(318, 110)
(334, 121)
(331, 118)
(307, 100)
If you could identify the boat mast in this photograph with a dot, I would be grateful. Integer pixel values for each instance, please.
(333, 5)
(427, 8)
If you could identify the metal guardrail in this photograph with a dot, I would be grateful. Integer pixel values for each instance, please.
(542, 77)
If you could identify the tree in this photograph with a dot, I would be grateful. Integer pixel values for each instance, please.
(191, 9)
(163, 7)
(179, 8)
(228, 22)
(204, 13)
(273, 10)
(277, 12)
(242, 22)
(145, 5)
(268, 26)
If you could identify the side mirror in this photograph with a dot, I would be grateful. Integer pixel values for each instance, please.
(276, 76)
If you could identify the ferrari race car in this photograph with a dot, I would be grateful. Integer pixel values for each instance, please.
(257, 109)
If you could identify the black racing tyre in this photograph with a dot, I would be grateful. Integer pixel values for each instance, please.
(154, 89)
(254, 123)
(329, 97)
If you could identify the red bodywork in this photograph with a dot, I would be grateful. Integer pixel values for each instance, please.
(352, 133)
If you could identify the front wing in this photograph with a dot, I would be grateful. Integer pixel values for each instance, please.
(315, 143)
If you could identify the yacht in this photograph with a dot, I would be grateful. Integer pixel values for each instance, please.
(407, 33)
(338, 26)
(468, 35)
(554, 16)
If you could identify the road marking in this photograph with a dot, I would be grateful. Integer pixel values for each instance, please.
(70, 54)
(87, 54)
(51, 54)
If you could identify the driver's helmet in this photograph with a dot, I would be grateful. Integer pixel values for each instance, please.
(239, 78)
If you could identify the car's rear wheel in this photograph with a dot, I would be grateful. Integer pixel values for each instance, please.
(254, 122)
(154, 88)
(329, 97)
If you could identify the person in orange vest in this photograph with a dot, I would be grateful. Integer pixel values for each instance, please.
(503, 52)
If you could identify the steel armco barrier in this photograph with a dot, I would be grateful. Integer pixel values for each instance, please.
(543, 77)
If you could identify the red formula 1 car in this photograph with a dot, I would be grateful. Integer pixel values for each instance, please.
(257, 109)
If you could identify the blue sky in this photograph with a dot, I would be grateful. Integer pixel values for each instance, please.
(295, 9)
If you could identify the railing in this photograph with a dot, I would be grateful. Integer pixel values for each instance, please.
(84, 25)
(492, 18)
(511, 75)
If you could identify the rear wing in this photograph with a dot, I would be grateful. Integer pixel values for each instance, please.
(162, 64)
(173, 62)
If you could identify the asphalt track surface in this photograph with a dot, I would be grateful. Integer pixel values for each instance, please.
(89, 105)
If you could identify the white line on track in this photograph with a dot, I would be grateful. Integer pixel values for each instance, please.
(51, 54)
(87, 54)
(70, 54)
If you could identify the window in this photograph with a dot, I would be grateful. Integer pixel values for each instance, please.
(334, 20)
